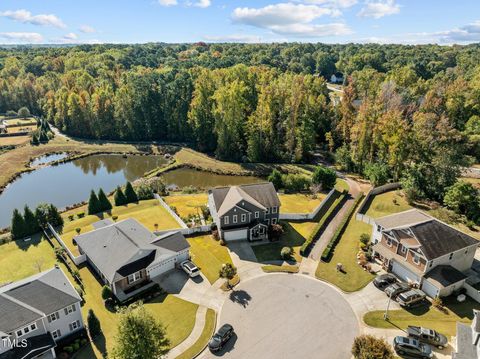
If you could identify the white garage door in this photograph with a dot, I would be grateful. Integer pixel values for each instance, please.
(429, 288)
(236, 235)
(161, 268)
(403, 273)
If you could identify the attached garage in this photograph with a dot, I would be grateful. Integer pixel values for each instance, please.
(430, 289)
(404, 273)
(445, 279)
(235, 235)
(161, 268)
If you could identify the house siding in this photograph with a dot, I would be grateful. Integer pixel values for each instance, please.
(64, 320)
(123, 284)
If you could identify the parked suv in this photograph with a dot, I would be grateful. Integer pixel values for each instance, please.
(190, 268)
(396, 288)
(384, 280)
(411, 297)
(412, 348)
(220, 338)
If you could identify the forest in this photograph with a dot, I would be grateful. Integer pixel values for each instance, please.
(409, 113)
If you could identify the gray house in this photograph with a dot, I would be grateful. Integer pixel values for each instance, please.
(127, 256)
(37, 312)
(244, 212)
(468, 339)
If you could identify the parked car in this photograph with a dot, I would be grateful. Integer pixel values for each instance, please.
(396, 288)
(412, 348)
(411, 297)
(428, 336)
(384, 280)
(219, 339)
(190, 268)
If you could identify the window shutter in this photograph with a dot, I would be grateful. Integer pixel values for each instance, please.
(49, 319)
(59, 333)
(66, 311)
(141, 274)
(70, 326)
(74, 307)
(57, 315)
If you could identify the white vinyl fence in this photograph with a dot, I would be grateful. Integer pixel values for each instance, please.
(374, 191)
(172, 213)
(75, 259)
(308, 216)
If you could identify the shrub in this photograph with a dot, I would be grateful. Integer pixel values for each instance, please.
(275, 232)
(144, 192)
(106, 292)
(75, 346)
(295, 183)
(78, 230)
(189, 189)
(80, 215)
(286, 253)
(437, 302)
(370, 347)
(119, 197)
(71, 217)
(68, 349)
(215, 235)
(114, 218)
(325, 177)
(276, 178)
(130, 193)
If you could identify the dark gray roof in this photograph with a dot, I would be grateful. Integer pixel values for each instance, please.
(102, 223)
(14, 315)
(36, 345)
(438, 239)
(263, 193)
(174, 241)
(465, 348)
(445, 275)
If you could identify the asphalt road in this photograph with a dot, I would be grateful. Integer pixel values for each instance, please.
(287, 316)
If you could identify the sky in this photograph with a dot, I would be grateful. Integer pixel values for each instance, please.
(330, 21)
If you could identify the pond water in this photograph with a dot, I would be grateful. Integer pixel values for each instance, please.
(42, 160)
(71, 182)
(184, 177)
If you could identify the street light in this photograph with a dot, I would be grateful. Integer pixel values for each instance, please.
(385, 315)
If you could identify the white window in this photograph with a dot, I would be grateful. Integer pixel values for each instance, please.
(19, 333)
(389, 242)
(226, 220)
(134, 277)
(257, 214)
(75, 325)
(26, 330)
(235, 218)
(56, 334)
(70, 309)
(244, 217)
(416, 259)
(274, 220)
(404, 249)
(262, 230)
(268, 210)
(52, 317)
(274, 209)
(33, 326)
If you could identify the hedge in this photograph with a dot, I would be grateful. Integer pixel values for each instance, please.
(328, 251)
(336, 200)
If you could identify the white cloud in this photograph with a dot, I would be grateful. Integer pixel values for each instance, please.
(70, 36)
(333, 3)
(202, 3)
(380, 8)
(234, 38)
(86, 29)
(21, 37)
(465, 34)
(25, 16)
(168, 2)
(291, 19)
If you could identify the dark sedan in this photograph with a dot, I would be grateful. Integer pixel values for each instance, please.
(220, 338)
(384, 280)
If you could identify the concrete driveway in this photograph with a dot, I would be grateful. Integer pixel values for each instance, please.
(285, 316)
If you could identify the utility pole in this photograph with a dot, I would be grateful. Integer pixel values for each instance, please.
(385, 315)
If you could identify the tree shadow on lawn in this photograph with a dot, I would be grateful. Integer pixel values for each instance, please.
(34, 240)
(241, 297)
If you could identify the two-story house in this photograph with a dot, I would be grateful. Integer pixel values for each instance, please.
(467, 341)
(244, 212)
(424, 251)
(127, 256)
(36, 313)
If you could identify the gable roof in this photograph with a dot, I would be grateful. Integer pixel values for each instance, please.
(261, 195)
(30, 299)
(444, 275)
(174, 241)
(402, 219)
(122, 248)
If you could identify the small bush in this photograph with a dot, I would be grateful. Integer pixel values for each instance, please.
(370, 347)
(189, 189)
(114, 218)
(215, 235)
(106, 292)
(437, 302)
(75, 346)
(68, 349)
(286, 253)
(81, 214)
(222, 242)
(78, 230)
(71, 217)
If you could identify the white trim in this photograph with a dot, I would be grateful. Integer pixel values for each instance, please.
(243, 217)
(274, 209)
(235, 218)
(257, 214)
(226, 220)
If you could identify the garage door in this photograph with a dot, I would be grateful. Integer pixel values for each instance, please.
(237, 235)
(403, 273)
(161, 268)
(429, 288)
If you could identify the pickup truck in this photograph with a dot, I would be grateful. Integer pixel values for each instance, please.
(428, 336)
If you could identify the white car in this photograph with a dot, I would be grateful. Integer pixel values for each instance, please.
(190, 268)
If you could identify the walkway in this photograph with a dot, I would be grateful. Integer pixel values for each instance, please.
(327, 234)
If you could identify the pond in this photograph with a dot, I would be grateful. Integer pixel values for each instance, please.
(184, 177)
(71, 182)
(42, 160)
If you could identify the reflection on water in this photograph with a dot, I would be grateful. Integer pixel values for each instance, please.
(48, 159)
(71, 182)
(184, 177)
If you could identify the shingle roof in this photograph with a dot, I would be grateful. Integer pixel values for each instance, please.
(444, 276)
(14, 315)
(465, 348)
(174, 241)
(261, 195)
(116, 248)
(34, 347)
(402, 219)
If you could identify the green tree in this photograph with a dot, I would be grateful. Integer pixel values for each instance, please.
(324, 176)
(377, 173)
(370, 347)
(93, 203)
(130, 193)
(343, 158)
(54, 216)
(119, 197)
(139, 335)
(276, 178)
(106, 292)
(31, 224)
(228, 271)
(93, 324)
(18, 225)
(463, 198)
(24, 112)
(103, 201)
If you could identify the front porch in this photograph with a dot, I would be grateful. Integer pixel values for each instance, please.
(124, 295)
(258, 232)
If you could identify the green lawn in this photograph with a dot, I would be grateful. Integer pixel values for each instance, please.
(176, 315)
(19, 259)
(341, 185)
(187, 204)
(282, 269)
(294, 235)
(202, 341)
(354, 278)
(208, 255)
(429, 317)
(387, 203)
(146, 212)
(300, 203)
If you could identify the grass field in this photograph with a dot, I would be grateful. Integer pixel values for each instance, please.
(474, 181)
(146, 212)
(176, 315)
(387, 203)
(280, 269)
(20, 121)
(354, 278)
(17, 129)
(300, 203)
(14, 140)
(208, 255)
(429, 317)
(294, 235)
(202, 341)
(187, 204)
